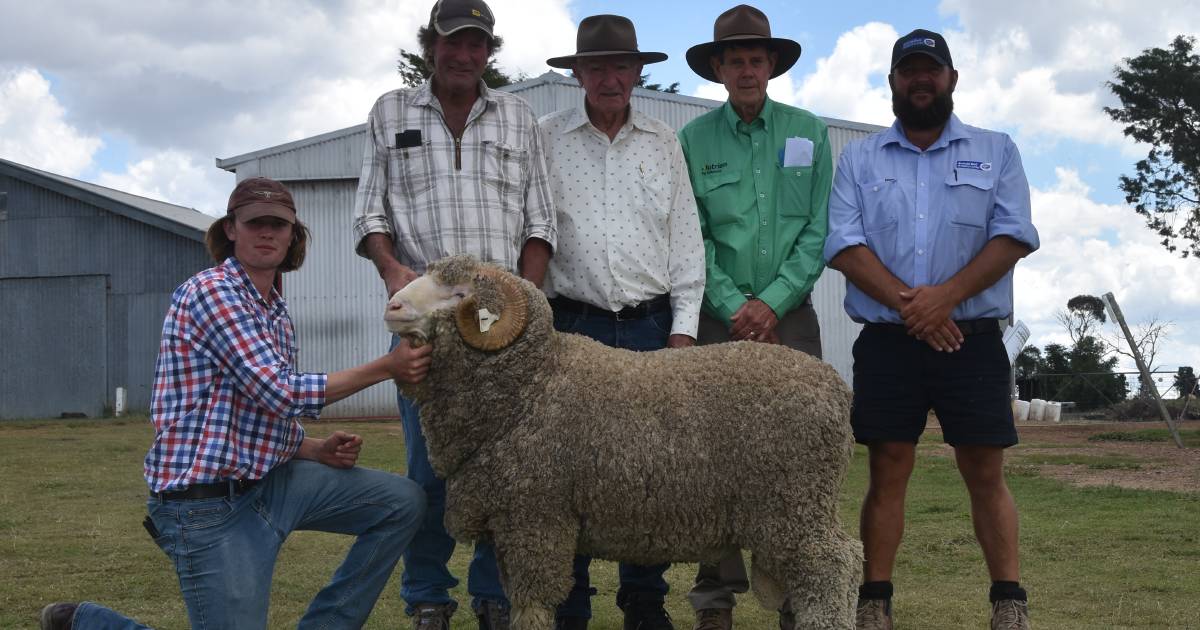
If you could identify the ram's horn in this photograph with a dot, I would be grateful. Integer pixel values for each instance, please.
(513, 317)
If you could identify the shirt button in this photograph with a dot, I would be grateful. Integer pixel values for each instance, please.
(875, 189)
(758, 170)
(764, 222)
(920, 216)
(920, 252)
(761, 195)
(922, 184)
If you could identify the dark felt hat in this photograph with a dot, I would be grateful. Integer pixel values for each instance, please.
(742, 24)
(604, 35)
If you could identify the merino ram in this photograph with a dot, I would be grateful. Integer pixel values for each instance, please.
(552, 444)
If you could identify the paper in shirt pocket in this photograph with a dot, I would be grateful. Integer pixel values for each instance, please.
(797, 152)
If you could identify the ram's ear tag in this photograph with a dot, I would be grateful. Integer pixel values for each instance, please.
(486, 319)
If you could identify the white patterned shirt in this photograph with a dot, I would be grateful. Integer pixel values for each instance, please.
(485, 194)
(628, 228)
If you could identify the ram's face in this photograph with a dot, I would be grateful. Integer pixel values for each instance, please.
(408, 311)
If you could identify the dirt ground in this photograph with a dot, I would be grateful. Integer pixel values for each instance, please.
(1157, 465)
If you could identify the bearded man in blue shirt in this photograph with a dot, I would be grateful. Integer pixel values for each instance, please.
(927, 220)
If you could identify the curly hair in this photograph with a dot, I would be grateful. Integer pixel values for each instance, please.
(220, 247)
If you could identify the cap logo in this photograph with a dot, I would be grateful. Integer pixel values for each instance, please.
(476, 13)
(265, 194)
(919, 42)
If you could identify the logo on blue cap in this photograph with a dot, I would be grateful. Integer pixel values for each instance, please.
(919, 41)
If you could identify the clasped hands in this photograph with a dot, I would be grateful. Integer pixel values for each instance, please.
(926, 313)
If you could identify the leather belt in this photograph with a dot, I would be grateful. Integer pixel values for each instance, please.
(637, 311)
(229, 488)
(967, 327)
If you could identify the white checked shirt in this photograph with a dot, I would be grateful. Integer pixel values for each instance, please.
(628, 228)
(484, 194)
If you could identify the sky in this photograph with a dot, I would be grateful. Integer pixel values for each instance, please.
(143, 95)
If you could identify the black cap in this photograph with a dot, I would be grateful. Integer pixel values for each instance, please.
(451, 16)
(922, 42)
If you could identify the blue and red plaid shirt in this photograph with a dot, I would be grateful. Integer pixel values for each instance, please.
(226, 400)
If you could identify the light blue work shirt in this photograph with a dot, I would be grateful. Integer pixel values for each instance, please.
(926, 214)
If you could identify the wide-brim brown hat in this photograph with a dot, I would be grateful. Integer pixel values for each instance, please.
(602, 36)
(742, 24)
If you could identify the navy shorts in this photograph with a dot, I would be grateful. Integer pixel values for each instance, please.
(898, 379)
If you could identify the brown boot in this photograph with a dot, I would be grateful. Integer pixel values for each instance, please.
(714, 619)
(873, 614)
(1010, 614)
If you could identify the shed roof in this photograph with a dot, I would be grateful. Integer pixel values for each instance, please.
(187, 222)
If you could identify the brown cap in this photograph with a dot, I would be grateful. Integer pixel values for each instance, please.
(604, 35)
(262, 197)
(451, 16)
(748, 26)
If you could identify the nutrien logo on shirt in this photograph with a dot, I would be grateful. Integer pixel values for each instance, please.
(974, 165)
(709, 169)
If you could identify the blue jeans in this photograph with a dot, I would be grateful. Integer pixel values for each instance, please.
(645, 334)
(92, 615)
(426, 579)
(224, 549)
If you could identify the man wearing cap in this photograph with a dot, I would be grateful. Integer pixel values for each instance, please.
(761, 172)
(451, 167)
(629, 269)
(231, 472)
(927, 221)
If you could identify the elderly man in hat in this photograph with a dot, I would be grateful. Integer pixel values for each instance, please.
(231, 470)
(927, 221)
(761, 172)
(629, 269)
(451, 167)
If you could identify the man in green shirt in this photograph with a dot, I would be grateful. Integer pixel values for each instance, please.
(761, 172)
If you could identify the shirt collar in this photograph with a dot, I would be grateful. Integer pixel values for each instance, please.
(233, 267)
(731, 115)
(637, 119)
(955, 130)
(423, 96)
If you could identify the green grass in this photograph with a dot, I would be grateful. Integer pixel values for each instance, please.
(72, 500)
(1094, 462)
(1191, 438)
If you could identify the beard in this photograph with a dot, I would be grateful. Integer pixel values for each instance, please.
(931, 116)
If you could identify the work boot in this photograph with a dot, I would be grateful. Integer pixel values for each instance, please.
(493, 615)
(58, 616)
(570, 623)
(433, 616)
(714, 619)
(644, 611)
(1010, 614)
(873, 614)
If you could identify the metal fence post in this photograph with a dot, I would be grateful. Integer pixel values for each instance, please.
(1147, 379)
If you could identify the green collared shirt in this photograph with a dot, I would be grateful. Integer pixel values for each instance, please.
(764, 224)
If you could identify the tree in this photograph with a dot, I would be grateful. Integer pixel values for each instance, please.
(657, 87)
(1147, 337)
(1160, 105)
(1084, 314)
(414, 71)
(1185, 381)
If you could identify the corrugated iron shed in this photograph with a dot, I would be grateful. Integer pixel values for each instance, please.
(86, 275)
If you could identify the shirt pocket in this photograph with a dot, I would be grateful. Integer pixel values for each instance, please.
(416, 171)
(969, 198)
(654, 185)
(882, 200)
(795, 191)
(504, 169)
(718, 194)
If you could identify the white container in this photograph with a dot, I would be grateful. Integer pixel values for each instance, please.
(1021, 410)
(1052, 412)
(1037, 407)
(119, 403)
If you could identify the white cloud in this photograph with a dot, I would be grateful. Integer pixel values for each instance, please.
(175, 177)
(846, 84)
(1094, 248)
(33, 130)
